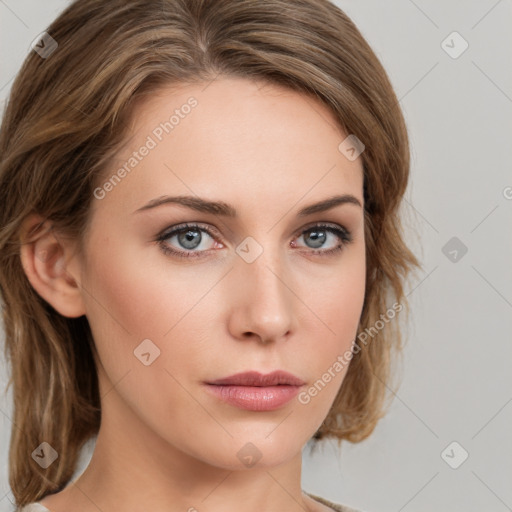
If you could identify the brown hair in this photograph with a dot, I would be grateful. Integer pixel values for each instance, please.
(66, 115)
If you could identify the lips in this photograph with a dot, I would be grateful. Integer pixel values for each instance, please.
(254, 391)
(253, 378)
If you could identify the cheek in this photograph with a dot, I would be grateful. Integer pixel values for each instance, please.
(347, 303)
(135, 296)
(337, 298)
(130, 300)
(337, 304)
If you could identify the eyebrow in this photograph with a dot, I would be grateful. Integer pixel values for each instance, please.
(225, 209)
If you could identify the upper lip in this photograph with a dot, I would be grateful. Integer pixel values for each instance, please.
(253, 378)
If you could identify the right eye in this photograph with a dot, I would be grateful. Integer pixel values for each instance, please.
(188, 236)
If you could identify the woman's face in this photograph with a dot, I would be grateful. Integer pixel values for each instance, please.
(250, 290)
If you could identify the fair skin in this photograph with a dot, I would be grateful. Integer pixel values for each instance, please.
(164, 443)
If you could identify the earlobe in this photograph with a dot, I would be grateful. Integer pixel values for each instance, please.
(46, 259)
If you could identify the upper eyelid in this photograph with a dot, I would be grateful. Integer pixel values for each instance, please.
(207, 227)
(167, 232)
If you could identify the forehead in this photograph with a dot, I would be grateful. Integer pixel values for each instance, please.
(233, 139)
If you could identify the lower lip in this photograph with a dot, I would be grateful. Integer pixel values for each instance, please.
(254, 398)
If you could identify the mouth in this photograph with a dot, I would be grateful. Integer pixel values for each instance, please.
(256, 392)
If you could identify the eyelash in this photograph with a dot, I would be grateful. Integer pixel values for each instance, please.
(342, 233)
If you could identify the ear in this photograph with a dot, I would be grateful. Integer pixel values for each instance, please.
(51, 266)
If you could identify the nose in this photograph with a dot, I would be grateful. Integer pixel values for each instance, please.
(262, 299)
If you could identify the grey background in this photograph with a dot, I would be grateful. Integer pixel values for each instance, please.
(456, 378)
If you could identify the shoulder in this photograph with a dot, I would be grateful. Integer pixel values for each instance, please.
(33, 507)
(334, 506)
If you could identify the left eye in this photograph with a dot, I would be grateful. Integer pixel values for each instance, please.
(190, 237)
(319, 234)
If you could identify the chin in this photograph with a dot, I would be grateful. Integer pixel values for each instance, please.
(257, 451)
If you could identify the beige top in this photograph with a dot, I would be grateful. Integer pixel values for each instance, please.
(37, 507)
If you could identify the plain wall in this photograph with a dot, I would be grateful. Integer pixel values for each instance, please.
(456, 378)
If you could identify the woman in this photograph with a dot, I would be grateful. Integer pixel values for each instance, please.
(201, 252)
